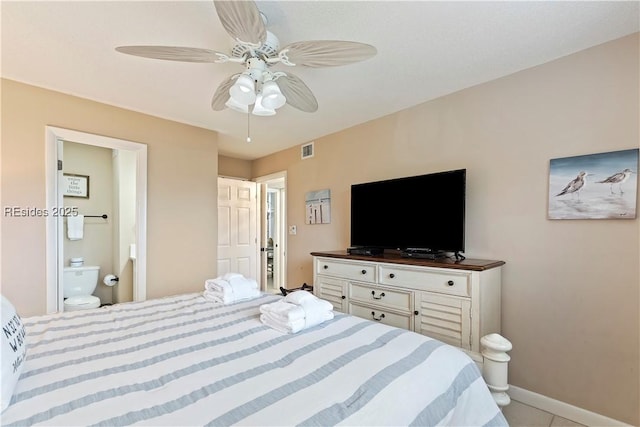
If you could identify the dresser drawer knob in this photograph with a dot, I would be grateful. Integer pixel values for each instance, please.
(377, 319)
(325, 266)
(450, 283)
(373, 294)
(392, 275)
(364, 271)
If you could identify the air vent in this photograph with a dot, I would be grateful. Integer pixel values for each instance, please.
(307, 150)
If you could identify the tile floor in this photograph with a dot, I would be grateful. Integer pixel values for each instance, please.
(520, 415)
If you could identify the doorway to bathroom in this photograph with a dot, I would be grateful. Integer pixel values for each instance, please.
(272, 225)
(104, 180)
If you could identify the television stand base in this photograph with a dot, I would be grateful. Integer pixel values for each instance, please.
(459, 256)
(422, 254)
(365, 250)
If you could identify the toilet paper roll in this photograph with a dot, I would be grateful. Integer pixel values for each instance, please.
(110, 279)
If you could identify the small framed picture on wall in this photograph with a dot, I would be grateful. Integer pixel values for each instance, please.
(75, 185)
(318, 207)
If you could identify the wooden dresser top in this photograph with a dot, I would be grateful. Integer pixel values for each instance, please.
(396, 258)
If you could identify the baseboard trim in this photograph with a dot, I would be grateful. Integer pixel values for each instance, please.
(565, 410)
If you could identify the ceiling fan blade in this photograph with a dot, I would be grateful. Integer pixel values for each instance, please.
(173, 53)
(297, 93)
(242, 21)
(325, 53)
(221, 96)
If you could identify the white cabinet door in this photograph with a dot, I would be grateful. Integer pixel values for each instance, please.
(332, 290)
(445, 318)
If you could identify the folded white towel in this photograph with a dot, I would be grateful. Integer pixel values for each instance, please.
(75, 227)
(229, 276)
(291, 317)
(316, 312)
(283, 311)
(224, 292)
(217, 285)
(287, 328)
(298, 297)
(296, 325)
(216, 297)
(242, 283)
(308, 299)
(228, 298)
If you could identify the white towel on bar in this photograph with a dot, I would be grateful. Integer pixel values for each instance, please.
(75, 227)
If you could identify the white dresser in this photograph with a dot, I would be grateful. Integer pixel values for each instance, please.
(457, 302)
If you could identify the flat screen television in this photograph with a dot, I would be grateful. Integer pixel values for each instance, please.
(425, 212)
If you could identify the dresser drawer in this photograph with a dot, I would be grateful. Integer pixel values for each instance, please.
(404, 321)
(384, 297)
(361, 271)
(451, 283)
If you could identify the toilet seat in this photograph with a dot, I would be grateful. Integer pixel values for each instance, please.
(81, 303)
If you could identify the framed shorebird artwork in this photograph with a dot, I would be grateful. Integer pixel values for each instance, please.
(594, 186)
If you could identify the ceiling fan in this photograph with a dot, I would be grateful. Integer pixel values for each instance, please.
(258, 89)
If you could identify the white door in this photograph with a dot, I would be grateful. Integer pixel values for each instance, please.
(238, 228)
(274, 243)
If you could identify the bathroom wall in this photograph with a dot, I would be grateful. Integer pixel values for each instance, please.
(96, 247)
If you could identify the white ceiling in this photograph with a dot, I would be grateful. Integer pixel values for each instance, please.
(425, 50)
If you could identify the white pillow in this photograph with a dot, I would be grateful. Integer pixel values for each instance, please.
(14, 350)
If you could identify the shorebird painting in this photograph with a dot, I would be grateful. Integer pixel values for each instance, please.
(618, 178)
(567, 198)
(575, 185)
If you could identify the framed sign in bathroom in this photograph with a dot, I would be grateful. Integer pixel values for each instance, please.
(75, 185)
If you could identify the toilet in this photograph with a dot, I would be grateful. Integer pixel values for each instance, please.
(78, 285)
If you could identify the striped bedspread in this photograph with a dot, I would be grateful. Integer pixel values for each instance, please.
(183, 360)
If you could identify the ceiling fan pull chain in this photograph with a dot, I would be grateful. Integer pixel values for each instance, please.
(248, 126)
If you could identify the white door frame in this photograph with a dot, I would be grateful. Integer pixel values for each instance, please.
(280, 254)
(54, 226)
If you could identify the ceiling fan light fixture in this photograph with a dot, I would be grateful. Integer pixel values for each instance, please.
(260, 109)
(272, 97)
(243, 90)
(257, 49)
(236, 106)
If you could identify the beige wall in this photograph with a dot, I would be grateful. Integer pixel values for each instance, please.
(570, 298)
(96, 246)
(181, 200)
(234, 168)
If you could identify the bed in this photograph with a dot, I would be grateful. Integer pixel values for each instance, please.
(183, 360)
